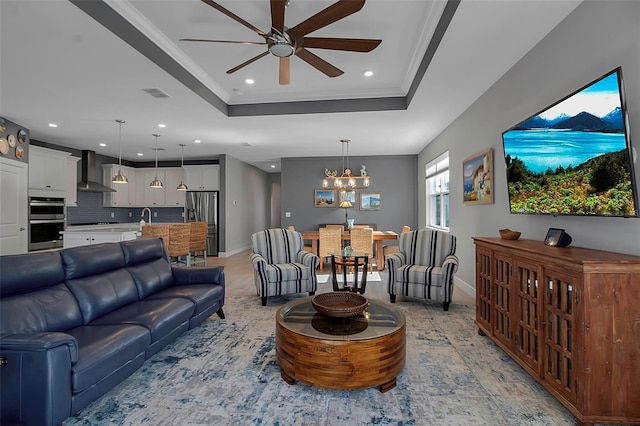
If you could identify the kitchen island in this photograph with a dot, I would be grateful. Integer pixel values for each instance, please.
(84, 235)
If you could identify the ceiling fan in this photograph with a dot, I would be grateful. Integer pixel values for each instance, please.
(284, 42)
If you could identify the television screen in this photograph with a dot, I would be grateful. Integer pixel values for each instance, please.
(573, 158)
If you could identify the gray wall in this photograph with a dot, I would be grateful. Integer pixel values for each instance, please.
(245, 206)
(393, 176)
(596, 38)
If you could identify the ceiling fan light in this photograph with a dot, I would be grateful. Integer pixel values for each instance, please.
(281, 49)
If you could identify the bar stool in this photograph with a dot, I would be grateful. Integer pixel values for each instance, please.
(198, 242)
(179, 243)
(156, 231)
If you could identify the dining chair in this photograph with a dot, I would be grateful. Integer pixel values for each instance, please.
(335, 226)
(198, 242)
(329, 241)
(362, 240)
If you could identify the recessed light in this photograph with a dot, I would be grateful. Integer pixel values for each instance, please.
(196, 141)
(368, 73)
(162, 125)
(103, 144)
(140, 154)
(273, 166)
(249, 81)
(53, 125)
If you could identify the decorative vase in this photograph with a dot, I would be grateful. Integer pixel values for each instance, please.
(350, 223)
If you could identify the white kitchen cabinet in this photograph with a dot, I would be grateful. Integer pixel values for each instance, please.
(173, 197)
(87, 238)
(145, 195)
(71, 182)
(47, 172)
(202, 178)
(125, 195)
(13, 209)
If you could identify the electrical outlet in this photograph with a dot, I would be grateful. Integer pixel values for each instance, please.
(130, 214)
(287, 214)
(182, 214)
(155, 214)
(113, 215)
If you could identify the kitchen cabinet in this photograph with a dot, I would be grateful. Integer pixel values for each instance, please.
(145, 195)
(202, 178)
(71, 182)
(125, 195)
(566, 315)
(47, 172)
(173, 197)
(87, 238)
(13, 209)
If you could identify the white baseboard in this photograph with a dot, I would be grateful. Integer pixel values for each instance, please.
(471, 291)
(231, 253)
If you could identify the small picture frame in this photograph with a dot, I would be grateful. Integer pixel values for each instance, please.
(324, 198)
(370, 201)
(477, 178)
(348, 195)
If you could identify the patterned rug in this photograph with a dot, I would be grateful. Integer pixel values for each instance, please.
(225, 373)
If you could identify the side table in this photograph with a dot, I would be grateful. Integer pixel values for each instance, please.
(350, 259)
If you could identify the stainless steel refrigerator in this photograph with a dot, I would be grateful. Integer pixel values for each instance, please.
(202, 206)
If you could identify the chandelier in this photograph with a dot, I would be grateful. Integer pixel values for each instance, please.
(347, 180)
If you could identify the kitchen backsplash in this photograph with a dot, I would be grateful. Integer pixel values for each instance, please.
(90, 210)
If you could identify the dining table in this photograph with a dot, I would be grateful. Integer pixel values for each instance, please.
(378, 238)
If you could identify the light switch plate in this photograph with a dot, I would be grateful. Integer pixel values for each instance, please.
(287, 214)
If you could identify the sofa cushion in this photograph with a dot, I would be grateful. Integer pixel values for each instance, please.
(91, 260)
(151, 277)
(100, 294)
(288, 272)
(419, 274)
(47, 309)
(104, 349)
(202, 295)
(143, 250)
(160, 316)
(24, 273)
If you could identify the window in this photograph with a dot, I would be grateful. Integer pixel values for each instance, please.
(437, 187)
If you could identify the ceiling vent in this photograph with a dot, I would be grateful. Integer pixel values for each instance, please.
(156, 93)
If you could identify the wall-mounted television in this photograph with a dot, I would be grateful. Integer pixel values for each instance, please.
(574, 157)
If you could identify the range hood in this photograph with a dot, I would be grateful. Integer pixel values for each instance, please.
(88, 182)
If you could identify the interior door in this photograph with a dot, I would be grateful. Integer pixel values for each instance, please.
(13, 207)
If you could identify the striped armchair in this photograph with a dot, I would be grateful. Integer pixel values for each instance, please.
(424, 266)
(280, 264)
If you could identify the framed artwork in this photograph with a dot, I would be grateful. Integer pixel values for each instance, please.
(324, 198)
(348, 195)
(370, 200)
(477, 178)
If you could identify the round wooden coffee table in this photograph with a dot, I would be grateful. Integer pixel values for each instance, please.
(340, 353)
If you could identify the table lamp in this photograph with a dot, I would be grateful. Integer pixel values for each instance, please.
(346, 204)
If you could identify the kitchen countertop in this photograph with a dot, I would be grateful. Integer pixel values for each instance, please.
(113, 227)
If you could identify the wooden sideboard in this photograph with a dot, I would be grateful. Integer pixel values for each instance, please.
(570, 317)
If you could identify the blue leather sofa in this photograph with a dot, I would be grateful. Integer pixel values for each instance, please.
(76, 322)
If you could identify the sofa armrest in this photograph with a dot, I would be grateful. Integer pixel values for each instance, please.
(258, 262)
(183, 275)
(39, 342)
(308, 259)
(395, 260)
(36, 377)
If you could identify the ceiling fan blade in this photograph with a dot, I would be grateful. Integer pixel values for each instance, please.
(234, 16)
(221, 41)
(318, 63)
(284, 71)
(331, 14)
(350, 44)
(277, 14)
(244, 64)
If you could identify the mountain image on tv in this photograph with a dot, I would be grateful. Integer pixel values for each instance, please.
(573, 157)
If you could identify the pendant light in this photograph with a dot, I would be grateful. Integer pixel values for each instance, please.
(182, 186)
(120, 178)
(156, 183)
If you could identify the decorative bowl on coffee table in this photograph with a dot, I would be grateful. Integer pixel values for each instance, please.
(339, 304)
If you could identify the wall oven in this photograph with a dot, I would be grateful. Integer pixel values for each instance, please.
(46, 221)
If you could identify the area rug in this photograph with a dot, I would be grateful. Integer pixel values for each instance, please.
(371, 277)
(225, 372)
